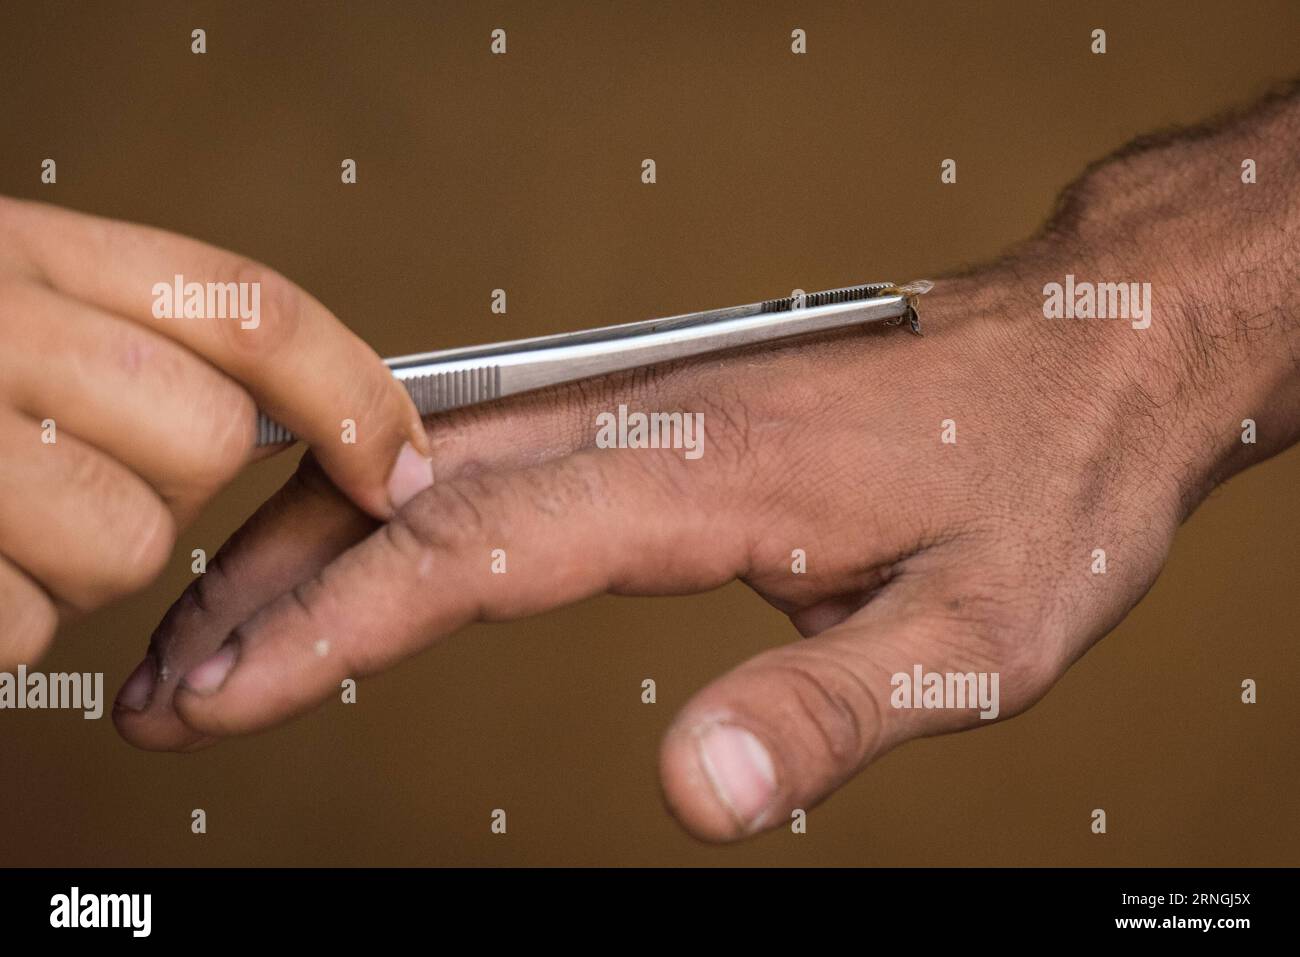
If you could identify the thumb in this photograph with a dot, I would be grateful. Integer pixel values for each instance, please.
(785, 729)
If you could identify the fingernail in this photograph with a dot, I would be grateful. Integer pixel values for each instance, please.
(411, 475)
(740, 770)
(137, 691)
(208, 676)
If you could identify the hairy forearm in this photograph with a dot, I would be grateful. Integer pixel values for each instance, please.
(1224, 251)
(1221, 255)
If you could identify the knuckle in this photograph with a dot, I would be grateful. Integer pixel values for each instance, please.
(280, 307)
(989, 628)
(207, 425)
(309, 599)
(144, 547)
(218, 437)
(447, 517)
(404, 540)
(1028, 667)
(839, 710)
(225, 433)
(132, 519)
(726, 460)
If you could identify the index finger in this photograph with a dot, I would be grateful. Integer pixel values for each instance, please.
(301, 364)
(490, 547)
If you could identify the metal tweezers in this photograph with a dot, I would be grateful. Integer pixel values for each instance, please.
(438, 381)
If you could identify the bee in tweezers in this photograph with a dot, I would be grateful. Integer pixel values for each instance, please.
(913, 291)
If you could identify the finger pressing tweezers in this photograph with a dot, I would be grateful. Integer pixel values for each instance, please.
(452, 378)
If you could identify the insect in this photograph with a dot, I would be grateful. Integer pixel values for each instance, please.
(913, 291)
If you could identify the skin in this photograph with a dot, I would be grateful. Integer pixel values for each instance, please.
(153, 416)
(1072, 435)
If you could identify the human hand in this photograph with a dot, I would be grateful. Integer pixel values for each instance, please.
(977, 556)
(118, 422)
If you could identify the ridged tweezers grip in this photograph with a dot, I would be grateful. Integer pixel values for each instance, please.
(434, 392)
(450, 390)
(813, 299)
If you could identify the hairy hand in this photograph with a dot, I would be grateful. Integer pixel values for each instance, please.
(946, 503)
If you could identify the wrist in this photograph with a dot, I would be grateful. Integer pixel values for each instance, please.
(1153, 366)
(1205, 354)
(1238, 339)
(1223, 348)
(1160, 306)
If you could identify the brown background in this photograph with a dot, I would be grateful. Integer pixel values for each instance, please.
(522, 172)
